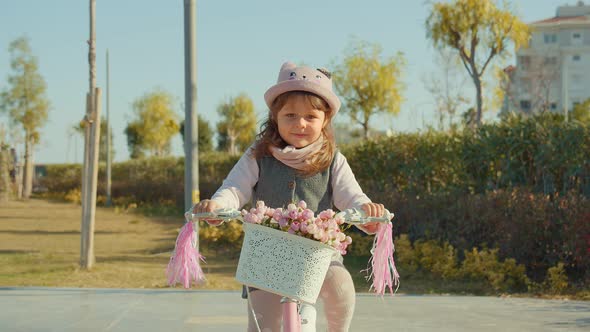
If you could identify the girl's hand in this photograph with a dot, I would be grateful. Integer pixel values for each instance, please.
(207, 205)
(372, 210)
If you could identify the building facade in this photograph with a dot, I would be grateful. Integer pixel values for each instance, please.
(553, 72)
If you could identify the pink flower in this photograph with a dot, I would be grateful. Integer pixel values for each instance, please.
(290, 231)
(319, 234)
(332, 224)
(283, 222)
(307, 214)
(327, 214)
(293, 214)
(302, 205)
(295, 226)
(252, 218)
(318, 222)
(312, 228)
(303, 227)
(278, 214)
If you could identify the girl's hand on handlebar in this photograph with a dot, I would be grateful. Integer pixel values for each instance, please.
(207, 205)
(372, 210)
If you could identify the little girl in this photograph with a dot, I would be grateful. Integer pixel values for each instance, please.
(295, 158)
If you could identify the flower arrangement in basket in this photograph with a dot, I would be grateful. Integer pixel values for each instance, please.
(327, 227)
(299, 220)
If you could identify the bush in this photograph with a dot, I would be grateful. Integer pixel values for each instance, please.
(503, 276)
(361, 245)
(556, 281)
(441, 260)
(147, 181)
(405, 255)
(543, 153)
(224, 239)
(74, 196)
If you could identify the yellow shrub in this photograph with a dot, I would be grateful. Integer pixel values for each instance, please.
(361, 245)
(556, 281)
(225, 238)
(74, 196)
(502, 276)
(405, 254)
(440, 260)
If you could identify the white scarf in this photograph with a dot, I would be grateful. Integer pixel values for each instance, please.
(297, 158)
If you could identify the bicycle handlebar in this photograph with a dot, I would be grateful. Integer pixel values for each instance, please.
(350, 216)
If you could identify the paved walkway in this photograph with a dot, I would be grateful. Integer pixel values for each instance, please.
(69, 309)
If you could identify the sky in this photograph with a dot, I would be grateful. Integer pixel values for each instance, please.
(240, 48)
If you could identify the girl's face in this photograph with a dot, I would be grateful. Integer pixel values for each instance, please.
(300, 124)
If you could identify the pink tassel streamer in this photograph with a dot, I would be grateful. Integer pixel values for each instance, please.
(383, 271)
(184, 264)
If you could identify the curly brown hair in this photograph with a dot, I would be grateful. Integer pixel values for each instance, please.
(269, 133)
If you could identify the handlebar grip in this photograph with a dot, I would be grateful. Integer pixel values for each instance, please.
(224, 214)
(358, 216)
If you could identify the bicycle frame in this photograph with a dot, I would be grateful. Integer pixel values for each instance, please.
(291, 317)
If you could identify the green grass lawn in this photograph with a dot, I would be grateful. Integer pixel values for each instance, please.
(40, 246)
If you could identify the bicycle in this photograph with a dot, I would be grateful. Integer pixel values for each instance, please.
(292, 299)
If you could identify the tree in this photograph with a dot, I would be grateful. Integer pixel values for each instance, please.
(205, 134)
(237, 128)
(581, 112)
(26, 102)
(479, 31)
(468, 118)
(445, 88)
(154, 125)
(135, 142)
(102, 148)
(368, 83)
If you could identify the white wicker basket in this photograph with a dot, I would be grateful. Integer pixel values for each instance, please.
(282, 263)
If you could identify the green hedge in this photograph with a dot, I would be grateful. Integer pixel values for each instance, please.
(541, 153)
(149, 181)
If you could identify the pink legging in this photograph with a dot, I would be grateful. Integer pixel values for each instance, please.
(337, 293)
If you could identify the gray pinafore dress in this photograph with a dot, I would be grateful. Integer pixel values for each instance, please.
(279, 185)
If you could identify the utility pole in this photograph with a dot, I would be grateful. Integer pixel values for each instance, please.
(565, 83)
(91, 140)
(191, 135)
(108, 147)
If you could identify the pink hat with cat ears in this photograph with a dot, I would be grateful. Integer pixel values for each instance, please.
(293, 78)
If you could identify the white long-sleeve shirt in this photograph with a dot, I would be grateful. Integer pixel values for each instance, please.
(236, 189)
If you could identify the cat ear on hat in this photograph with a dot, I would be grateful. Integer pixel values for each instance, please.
(288, 65)
(325, 72)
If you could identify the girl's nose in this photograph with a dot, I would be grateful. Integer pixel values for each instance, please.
(302, 123)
